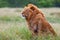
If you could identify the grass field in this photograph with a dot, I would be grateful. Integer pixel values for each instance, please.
(14, 27)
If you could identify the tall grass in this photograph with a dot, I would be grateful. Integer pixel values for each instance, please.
(15, 33)
(22, 33)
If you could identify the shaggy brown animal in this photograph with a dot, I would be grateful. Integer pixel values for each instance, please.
(36, 21)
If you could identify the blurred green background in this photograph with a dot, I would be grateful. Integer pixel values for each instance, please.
(22, 3)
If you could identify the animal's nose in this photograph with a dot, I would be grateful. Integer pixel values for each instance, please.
(23, 15)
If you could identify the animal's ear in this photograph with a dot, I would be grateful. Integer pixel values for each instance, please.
(31, 6)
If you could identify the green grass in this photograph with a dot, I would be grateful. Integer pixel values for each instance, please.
(11, 19)
(15, 33)
(53, 19)
(21, 33)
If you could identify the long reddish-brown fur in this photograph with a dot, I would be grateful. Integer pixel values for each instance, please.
(36, 21)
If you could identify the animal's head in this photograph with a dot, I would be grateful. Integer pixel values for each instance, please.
(27, 12)
(30, 10)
